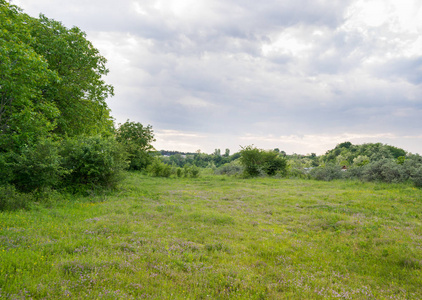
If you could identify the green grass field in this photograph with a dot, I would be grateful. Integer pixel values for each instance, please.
(218, 237)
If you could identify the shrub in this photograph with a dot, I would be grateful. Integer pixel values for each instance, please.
(272, 163)
(231, 168)
(159, 169)
(93, 161)
(11, 199)
(194, 171)
(298, 173)
(38, 167)
(384, 170)
(256, 162)
(190, 171)
(327, 173)
(137, 140)
(417, 178)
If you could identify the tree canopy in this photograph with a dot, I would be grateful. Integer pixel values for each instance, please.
(51, 81)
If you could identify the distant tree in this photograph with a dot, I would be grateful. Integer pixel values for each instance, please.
(137, 140)
(256, 161)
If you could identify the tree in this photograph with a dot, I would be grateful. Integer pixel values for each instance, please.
(137, 140)
(81, 91)
(25, 115)
(256, 161)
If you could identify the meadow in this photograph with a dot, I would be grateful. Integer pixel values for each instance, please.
(217, 237)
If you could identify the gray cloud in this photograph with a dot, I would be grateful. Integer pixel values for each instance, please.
(204, 72)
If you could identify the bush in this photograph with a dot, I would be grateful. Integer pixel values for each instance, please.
(159, 169)
(38, 167)
(93, 161)
(272, 163)
(231, 168)
(327, 173)
(417, 178)
(384, 170)
(11, 199)
(298, 173)
(256, 162)
(190, 171)
(137, 140)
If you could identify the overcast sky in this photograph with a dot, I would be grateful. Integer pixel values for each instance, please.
(298, 75)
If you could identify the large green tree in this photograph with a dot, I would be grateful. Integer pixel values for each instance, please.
(25, 115)
(81, 92)
(137, 140)
(51, 81)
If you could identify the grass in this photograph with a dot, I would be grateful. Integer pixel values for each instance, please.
(217, 237)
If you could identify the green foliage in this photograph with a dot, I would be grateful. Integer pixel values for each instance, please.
(190, 171)
(11, 199)
(385, 170)
(81, 91)
(232, 168)
(251, 160)
(25, 115)
(256, 162)
(327, 173)
(137, 140)
(417, 177)
(51, 87)
(93, 161)
(38, 167)
(346, 153)
(51, 81)
(298, 173)
(273, 163)
(159, 169)
(6, 171)
(361, 160)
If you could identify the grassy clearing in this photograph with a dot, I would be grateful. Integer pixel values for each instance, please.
(218, 238)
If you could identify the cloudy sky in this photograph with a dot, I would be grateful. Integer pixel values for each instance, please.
(298, 75)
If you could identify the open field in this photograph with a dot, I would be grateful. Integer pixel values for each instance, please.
(218, 237)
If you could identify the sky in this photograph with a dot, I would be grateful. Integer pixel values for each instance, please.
(298, 75)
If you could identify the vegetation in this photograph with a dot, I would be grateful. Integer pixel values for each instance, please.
(217, 237)
(137, 140)
(56, 131)
(166, 232)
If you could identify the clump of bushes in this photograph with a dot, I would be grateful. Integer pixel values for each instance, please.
(161, 169)
(93, 161)
(190, 171)
(327, 173)
(231, 168)
(389, 170)
(37, 167)
(84, 161)
(258, 162)
(11, 199)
